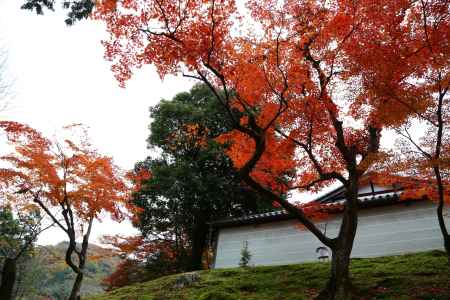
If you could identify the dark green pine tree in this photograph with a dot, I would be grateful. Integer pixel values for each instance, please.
(193, 181)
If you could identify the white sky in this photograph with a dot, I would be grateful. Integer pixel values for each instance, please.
(60, 77)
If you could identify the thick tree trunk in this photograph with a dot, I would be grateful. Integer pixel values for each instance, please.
(75, 294)
(339, 285)
(199, 237)
(9, 273)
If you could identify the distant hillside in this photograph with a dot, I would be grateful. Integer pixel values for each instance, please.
(422, 276)
(48, 276)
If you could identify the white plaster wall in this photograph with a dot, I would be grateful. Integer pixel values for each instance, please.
(381, 231)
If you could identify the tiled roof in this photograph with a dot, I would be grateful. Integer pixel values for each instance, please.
(256, 218)
(367, 200)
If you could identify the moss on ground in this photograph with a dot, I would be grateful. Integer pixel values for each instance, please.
(423, 276)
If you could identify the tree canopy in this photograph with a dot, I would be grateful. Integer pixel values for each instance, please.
(299, 73)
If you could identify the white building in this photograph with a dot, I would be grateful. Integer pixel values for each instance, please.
(386, 226)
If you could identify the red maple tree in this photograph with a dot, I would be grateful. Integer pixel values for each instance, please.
(292, 76)
(411, 38)
(69, 181)
(143, 259)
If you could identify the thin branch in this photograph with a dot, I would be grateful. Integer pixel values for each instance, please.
(405, 133)
(293, 210)
(48, 212)
(324, 176)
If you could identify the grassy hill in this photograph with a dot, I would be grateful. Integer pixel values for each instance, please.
(414, 276)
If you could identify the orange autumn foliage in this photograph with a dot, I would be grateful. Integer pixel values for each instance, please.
(307, 101)
(138, 247)
(268, 75)
(190, 136)
(69, 181)
(411, 186)
(127, 272)
(411, 38)
(139, 253)
(274, 164)
(54, 172)
(308, 85)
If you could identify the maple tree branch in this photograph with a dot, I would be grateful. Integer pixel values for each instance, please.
(298, 213)
(192, 76)
(324, 176)
(373, 147)
(347, 154)
(440, 207)
(405, 133)
(260, 146)
(48, 212)
(410, 107)
(340, 46)
(213, 27)
(425, 25)
(169, 35)
(85, 245)
(283, 103)
(440, 120)
(224, 103)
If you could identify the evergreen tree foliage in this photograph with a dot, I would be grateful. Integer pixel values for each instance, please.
(193, 181)
(245, 256)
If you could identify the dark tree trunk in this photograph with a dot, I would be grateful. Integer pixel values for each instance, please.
(9, 273)
(82, 256)
(74, 295)
(440, 213)
(339, 284)
(199, 237)
(447, 247)
(444, 231)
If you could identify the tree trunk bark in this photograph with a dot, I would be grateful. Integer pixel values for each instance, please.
(447, 247)
(440, 213)
(339, 284)
(199, 237)
(75, 294)
(82, 256)
(9, 273)
(444, 231)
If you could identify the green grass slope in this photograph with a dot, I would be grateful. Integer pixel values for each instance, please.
(414, 276)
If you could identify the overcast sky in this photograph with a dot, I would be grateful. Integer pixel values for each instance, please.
(60, 77)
